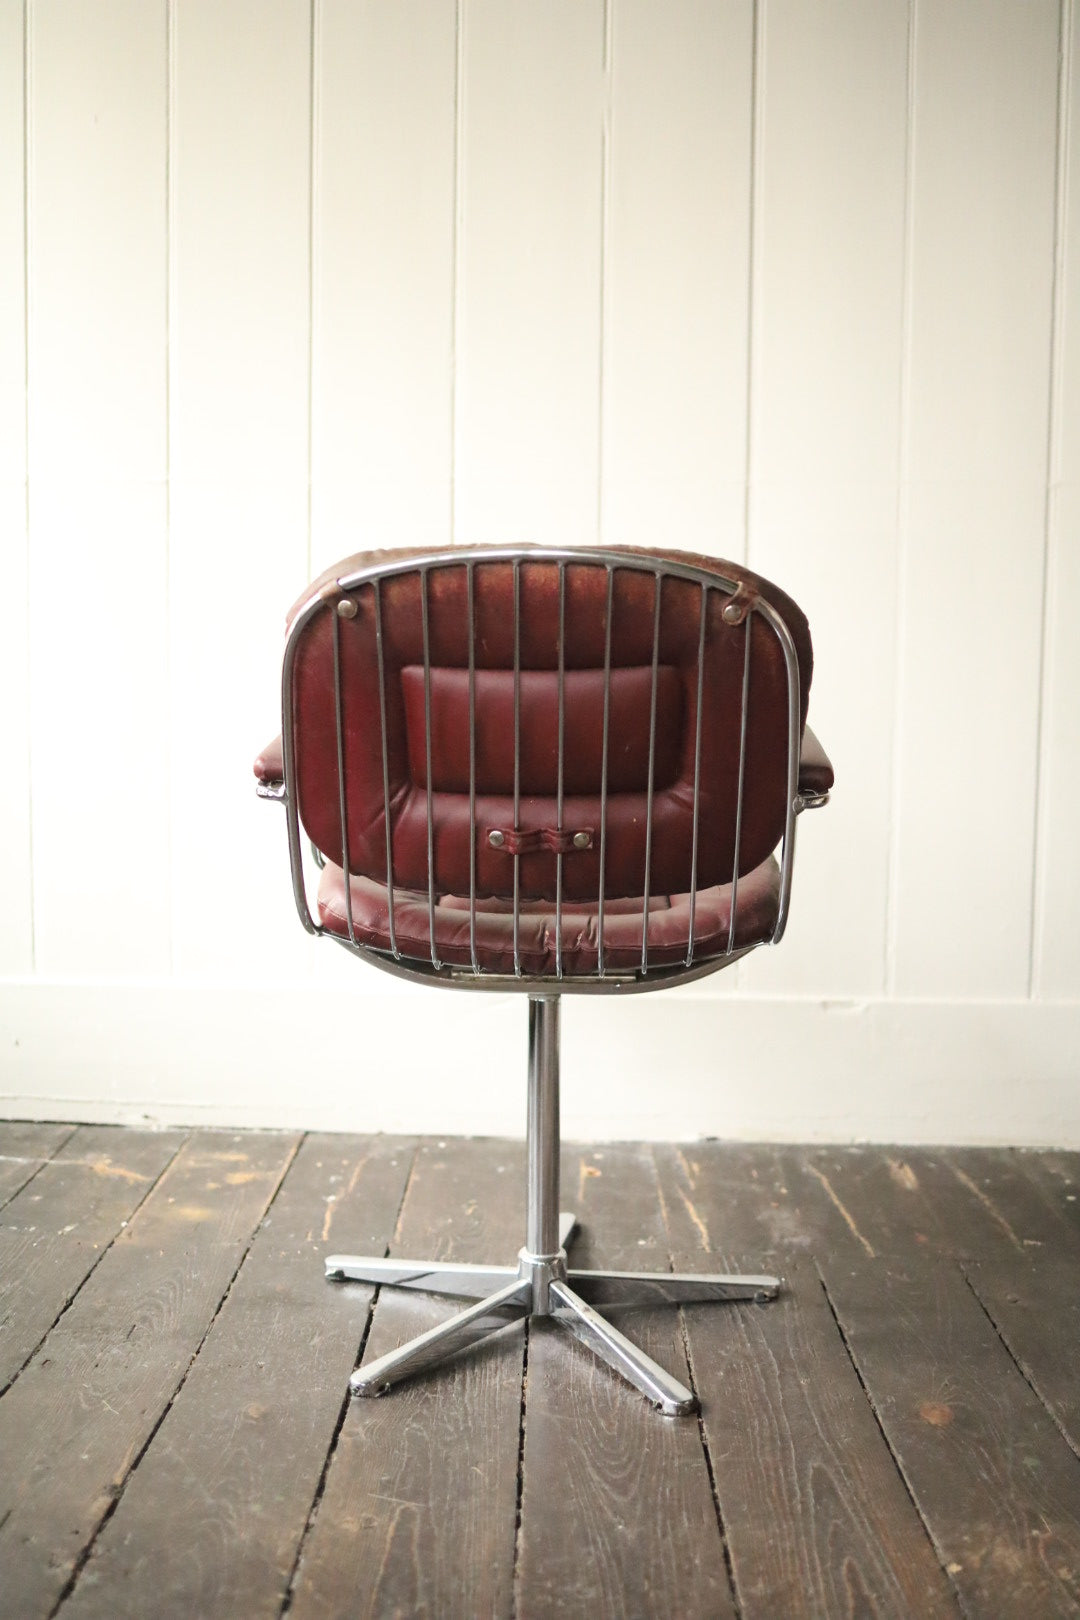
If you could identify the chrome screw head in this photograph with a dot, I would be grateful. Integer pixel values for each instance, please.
(581, 840)
(732, 612)
(347, 608)
(496, 839)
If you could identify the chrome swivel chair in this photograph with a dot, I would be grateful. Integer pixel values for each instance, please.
(556, 772)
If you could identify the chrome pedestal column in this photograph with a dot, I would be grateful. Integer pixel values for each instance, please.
(541, 1283)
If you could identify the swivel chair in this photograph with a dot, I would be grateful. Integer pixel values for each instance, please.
(555, 772)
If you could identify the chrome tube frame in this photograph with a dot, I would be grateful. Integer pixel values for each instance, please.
(542, 1223)
(472, 976)
(541, 1284)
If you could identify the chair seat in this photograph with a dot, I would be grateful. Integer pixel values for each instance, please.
(757, 905)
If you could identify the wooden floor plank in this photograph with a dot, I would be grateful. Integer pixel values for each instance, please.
(1057, 1175)
(817, 1519)
(1021, 1254)
(210, 1522)
(25, 1145)
(84, 1408)
(418, 1513)
(884, 1439)
(617, 1512)
(54, 1232)
(995, 1482)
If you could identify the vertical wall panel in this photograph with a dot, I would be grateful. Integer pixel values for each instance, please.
(12, 247)
(16, 912)
(97, 461)
(16, 930)
(528, 286)
(982, 221)
(383, 267)
(825, 440)
(675, 275)
(239, 321)
(1057, 942)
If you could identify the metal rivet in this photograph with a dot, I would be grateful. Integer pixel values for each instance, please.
(581, 840)
(732, 612)
(347, 608)
(496, 839)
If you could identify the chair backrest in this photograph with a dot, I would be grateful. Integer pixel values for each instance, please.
(551, 729)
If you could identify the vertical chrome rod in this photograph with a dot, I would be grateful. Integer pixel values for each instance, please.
(787, 856)
(603, 767)
(657, 587)
(697, 771)
(427, 757)
(517, 763)
(559, 782)
(472, 767)
(742, 775)
(376, 586)
(343, 811)
(542, 1212)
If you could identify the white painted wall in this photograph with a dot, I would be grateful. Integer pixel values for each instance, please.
(790, 282)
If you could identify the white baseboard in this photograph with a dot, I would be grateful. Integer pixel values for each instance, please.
(677, 1066)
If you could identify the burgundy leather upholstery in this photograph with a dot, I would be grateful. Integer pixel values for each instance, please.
(669, 925)
(815, 766)
(816, 774)
(404, 650)
(270, 762)
(631, 652)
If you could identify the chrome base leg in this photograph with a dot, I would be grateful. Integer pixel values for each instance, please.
(510, 1304)
(540, 1283)
(573, 1313)
(429, 1276)
(626, 1289)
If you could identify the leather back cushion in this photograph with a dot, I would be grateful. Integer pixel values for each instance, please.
(447, 697)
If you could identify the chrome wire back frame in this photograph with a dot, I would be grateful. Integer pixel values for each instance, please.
(648, 975)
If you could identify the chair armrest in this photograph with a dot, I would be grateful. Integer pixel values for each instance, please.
(816, 774)
(270, 771)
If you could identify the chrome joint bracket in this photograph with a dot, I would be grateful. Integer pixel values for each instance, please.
(541, 1270)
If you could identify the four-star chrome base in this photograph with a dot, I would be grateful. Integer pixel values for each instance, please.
(541, 1284)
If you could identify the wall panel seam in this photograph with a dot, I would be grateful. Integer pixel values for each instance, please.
(607, 117)
(313, 39)
(455, 262)
(170, 22)
(892, 873)
(28, 708)
(757, 116)
(1053, 448)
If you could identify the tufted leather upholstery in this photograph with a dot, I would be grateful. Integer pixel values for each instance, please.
(427, 692)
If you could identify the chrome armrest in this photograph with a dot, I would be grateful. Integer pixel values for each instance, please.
(815, 774)
(809, 801)
(270, 772)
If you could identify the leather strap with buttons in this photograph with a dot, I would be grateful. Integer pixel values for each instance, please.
(561, 841)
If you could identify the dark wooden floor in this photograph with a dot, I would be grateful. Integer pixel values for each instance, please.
(899, 1434)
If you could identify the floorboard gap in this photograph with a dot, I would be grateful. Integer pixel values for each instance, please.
(49, 1157)
(73, 1296)
(520, 1474)
(1019, 1365)
(117, 1491)
(709, 1469)
(320, 1488)
(864, 1386)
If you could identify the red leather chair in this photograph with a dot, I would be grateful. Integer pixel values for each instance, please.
(556, 772)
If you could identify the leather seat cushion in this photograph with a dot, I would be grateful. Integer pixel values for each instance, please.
(669, 924)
